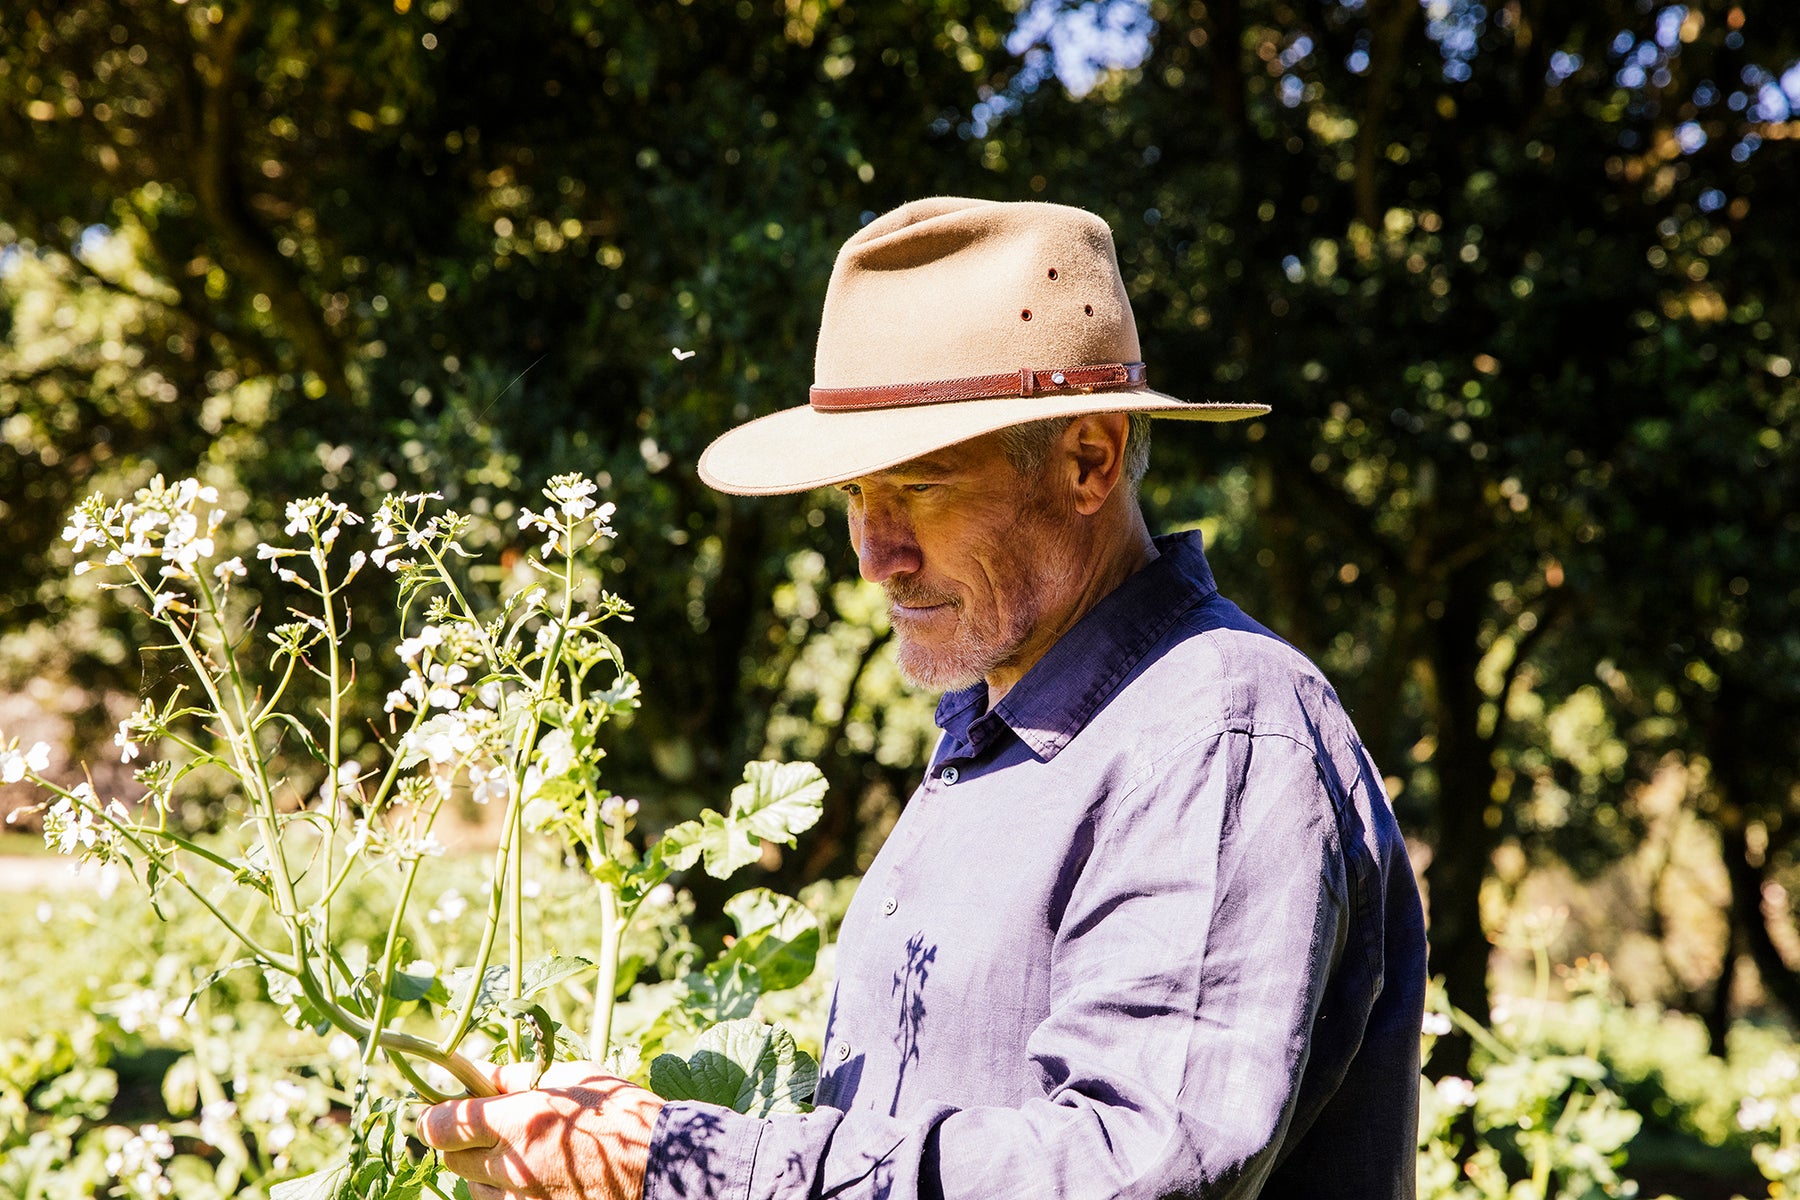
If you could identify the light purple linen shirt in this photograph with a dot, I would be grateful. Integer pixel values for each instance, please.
(1147, 929)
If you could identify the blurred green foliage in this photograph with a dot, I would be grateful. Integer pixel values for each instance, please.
(1517, 277)
(1574, 1093)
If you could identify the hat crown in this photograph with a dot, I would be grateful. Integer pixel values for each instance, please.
(949, 288)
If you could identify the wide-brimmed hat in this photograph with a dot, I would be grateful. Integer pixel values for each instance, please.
(946, 319)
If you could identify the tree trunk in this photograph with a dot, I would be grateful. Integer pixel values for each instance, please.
(1465, 775)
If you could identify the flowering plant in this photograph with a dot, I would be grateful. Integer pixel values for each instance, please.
(503, 702)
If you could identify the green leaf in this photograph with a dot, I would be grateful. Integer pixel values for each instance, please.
(543, 973)
(323, 1184)
(418, 981)
(778, 800)
(86, 1092)
(492, 989)
(725, 991)
(777, 935)
(746, 1066)
(306, 738)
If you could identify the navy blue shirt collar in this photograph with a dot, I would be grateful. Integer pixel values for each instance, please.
(1084, 667)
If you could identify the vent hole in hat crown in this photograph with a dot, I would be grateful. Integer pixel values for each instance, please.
(1024, 314)
(1053, 272)
(1088, 309)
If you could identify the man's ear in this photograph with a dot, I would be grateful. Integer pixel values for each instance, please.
(1095, 444)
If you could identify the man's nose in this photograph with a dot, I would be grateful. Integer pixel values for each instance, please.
(885, 545)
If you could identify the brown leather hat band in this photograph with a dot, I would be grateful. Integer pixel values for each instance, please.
(1025, 382)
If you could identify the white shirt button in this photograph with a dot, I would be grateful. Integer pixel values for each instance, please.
(842, 1051)
(888, 906)
(949, 775)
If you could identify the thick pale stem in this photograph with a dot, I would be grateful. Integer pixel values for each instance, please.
(606, 987)
(464, 1071)
(516, 925)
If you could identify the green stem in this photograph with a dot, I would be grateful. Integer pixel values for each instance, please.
(491, 928)
(465, 1072)
(606, 987)
(412, 1076)
(394, 923)
(143, 847)
(516, 926)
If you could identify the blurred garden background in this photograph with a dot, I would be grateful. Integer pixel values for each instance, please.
(1518, 277)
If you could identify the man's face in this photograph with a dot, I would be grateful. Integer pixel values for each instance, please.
(972, 556)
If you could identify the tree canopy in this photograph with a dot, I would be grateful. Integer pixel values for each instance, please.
(1517, 279)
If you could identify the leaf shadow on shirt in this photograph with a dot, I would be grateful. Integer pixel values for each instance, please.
(686, 1152)
(909, 989)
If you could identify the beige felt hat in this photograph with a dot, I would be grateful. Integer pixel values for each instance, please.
(946, 319)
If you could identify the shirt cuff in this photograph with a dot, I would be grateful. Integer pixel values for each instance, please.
(701, 1152)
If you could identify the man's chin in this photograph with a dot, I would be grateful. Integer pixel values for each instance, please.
(940, 670)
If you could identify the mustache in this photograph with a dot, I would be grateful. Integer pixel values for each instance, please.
(911, 594)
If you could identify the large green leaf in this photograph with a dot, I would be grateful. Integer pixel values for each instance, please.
(777, 935)
(746, 1066)
(778, 800)
(775, 802)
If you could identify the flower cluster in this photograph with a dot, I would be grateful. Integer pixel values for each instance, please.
(136, 1161)
(173, 525)
(80, 829)
(398, 525)
(319, 520)
(15, 764)
(574, 503)
(437, 664)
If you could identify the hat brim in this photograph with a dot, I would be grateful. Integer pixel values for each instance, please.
(799, 449)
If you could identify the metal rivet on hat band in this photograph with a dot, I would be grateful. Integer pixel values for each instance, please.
(1123, 377)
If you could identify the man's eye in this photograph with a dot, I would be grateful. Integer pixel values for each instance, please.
(917, 488)
(851, 489)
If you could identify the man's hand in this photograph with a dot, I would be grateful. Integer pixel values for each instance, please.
(577, 1132)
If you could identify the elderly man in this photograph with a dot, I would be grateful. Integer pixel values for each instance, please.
(1147, 927)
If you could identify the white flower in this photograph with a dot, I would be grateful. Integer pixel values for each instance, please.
(556, 750)
(300, 514)
(1456, 1091)
(444, 678)
(616, 810)
(12, 766)
(162, 601)
(572, 494)
(137, 1163)
(218, 1124)
(69, 828)
(1436, 1024)
(233, 566)
(82, 532)
(271, 1107)
(399, 699)
(449, 906)
(1755, 1112)
(347, 781)
(360, 837)
(420, 847)
(128, 749)
(488, 784)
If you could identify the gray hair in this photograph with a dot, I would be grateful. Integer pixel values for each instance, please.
(1027, 446)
